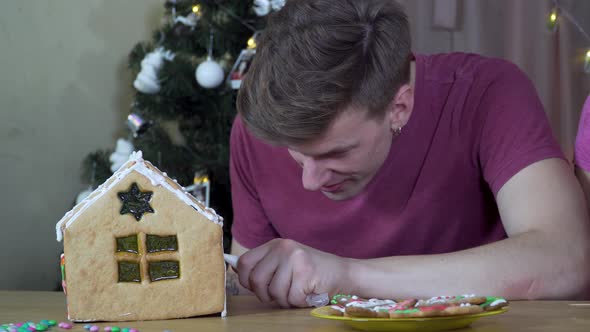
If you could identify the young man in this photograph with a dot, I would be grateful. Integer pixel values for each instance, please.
(359, 168)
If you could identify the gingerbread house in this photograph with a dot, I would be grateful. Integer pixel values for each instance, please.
(140, 247)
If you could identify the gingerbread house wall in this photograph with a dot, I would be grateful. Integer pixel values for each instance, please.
(94, 292)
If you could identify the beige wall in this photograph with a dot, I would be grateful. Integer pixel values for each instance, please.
(64, 92)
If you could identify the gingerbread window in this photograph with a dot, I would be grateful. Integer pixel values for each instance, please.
(164, 270)
(147, 256)
(129, 272)
(155, 243)
(128, 244)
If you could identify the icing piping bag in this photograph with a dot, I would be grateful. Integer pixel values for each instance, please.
(315, 300)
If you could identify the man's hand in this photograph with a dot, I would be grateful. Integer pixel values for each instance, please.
(286, 271)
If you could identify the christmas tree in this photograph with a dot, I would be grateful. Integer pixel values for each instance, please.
(186, 83)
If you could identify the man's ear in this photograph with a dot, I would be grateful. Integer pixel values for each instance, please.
(400, 108)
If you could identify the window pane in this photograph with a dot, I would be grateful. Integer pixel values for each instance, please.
(127, 244)
(156, 243)
(129, 272)
(164, 270)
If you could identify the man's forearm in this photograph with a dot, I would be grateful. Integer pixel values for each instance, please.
(527, 266)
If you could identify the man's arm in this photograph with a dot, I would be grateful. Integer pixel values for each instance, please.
(547, 254)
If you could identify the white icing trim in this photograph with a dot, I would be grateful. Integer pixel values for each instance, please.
(384, 307)
(369, 303)
(496, 302)
(138, 164)
(339, 308)
(83, 320)
(224, 312)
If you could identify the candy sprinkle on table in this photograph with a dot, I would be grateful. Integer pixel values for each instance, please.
(46, 325)
(65, 326)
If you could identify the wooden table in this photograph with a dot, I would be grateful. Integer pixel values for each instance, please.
(245, 313)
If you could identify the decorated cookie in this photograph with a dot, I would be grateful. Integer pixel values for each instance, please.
(471, 299)
(422, 311)
(374, 308)
(333, 310)
(343, 299)
(354, 306)
(493, 303)
(461, 309)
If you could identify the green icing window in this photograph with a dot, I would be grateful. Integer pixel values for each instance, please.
(129, 272)
(155, 243)
(164, 270)
(128, 244)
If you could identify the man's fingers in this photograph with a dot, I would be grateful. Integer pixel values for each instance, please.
(279, 270)
(261, 276)
(302, 282)
(248, 261)
(278, 288)
(297, 294)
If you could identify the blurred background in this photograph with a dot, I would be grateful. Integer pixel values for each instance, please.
(77, 92)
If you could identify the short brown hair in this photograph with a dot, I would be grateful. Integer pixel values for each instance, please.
(318, 57)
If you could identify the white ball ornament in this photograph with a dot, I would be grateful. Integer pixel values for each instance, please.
(83, 194)
(209, 74)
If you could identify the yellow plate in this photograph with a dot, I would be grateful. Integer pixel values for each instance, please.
(427, 324)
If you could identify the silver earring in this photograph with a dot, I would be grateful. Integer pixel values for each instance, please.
(397, 131)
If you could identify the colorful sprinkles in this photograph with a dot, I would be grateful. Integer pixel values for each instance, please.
(47, 324)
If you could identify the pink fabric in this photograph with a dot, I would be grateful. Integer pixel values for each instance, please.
(477, 122)
(582, 146)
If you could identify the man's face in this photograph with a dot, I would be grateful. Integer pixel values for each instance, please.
(343, 161)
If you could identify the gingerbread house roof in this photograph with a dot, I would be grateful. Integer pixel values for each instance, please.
(138, 164)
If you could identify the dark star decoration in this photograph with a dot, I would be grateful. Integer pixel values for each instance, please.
(135, 201)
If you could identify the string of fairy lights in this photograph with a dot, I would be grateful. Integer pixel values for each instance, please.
(196, 9)
(554, 18)
(557, 13)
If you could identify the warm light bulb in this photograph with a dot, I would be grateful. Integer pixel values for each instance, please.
(196, 9)
(251, 42)
(587, 62)
(201, 179)
(552, 19)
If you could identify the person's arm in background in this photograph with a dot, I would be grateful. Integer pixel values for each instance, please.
(584, 179)
(582, 150)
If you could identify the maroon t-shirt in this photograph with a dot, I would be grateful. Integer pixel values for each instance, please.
(476, 122)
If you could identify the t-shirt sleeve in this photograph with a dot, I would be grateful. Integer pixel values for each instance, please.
(516, 131)
(251, 226)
